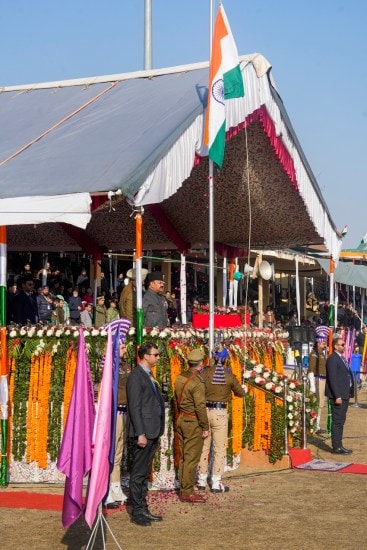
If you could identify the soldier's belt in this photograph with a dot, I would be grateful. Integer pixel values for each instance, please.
(188, 414)
(216, 405)
(122, 409)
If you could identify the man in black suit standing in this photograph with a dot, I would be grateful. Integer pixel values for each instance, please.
(145, 408)
(339, 387)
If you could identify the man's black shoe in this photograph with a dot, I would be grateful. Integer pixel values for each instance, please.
(141, 520)
(151, 517)
(341, 451)
(349, 451)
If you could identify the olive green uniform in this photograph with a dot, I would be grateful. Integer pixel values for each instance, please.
(217, 398)
(192, 421)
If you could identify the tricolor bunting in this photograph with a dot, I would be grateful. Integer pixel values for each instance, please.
(225, 82)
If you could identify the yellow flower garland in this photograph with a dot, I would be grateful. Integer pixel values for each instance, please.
(37, 417)
(262, 426)
(237, 408)
(70, 369)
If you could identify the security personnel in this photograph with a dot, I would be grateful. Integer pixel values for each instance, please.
(115, 495)
(220, 382)
(192, 424)
(317, 370)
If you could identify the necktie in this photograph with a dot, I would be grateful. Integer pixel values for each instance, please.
(154, 382)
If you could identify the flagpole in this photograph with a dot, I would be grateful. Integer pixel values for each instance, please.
(225, 82)
(211, 258)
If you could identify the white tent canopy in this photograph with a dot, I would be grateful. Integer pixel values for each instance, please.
(141, 134)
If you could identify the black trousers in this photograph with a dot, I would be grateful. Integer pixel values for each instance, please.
(140, 473)
(338, 416)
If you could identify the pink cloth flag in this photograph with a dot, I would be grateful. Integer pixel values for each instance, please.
(75, 458)
(100, 472)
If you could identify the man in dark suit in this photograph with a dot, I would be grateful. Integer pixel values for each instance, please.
(339, 387)
(145, 407)
(25, 303)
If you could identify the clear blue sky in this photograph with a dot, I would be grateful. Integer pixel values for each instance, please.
(317, 49)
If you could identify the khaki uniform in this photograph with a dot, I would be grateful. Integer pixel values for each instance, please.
(127, 304)
(120, 422)
(192, 421)
(217, 398)
(317, 366)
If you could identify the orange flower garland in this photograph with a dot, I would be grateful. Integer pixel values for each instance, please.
(70, 369)
(279, 363)
(237, 408)
(267, 360)
(12, 368)
(262, 427)
(37, 417)
(176, 368)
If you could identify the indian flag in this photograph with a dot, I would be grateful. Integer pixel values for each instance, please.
(225, 82)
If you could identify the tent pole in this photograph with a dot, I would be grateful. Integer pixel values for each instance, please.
(3, 359)
(138, 267)
(3, 269)
(298, 300)
(147, 35)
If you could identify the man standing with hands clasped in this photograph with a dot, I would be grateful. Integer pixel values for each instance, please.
(146, 414)
(339, 387)
(192, 424)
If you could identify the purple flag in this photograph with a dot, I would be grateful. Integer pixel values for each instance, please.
(119, 328)
(100, 473)
(75, 458)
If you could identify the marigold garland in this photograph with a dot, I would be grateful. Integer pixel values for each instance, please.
(70, 368)
(262, 427)
(237, 408)
(28, 388)
(37, 417)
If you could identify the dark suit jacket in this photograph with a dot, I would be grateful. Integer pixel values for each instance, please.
(25, 308)
(339, 379)
(145, 406)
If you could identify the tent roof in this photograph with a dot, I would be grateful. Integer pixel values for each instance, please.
(347, 273)
(141, 134)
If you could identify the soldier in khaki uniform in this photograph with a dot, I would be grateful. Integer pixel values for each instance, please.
(220, 382)
(192, 424)
(115, 495)
(317, 370)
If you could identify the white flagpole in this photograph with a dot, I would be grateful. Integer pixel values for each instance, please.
(211, 224)
(225, 282)
(183, 290)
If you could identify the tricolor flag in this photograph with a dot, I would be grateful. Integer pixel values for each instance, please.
(225, 82)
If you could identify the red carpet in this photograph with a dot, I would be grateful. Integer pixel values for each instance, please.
(35, 501)
(38, 501)
(299, 456)
(354, 469)
(302, 456)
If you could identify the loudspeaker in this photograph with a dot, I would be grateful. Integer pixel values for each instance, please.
(265, 270)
